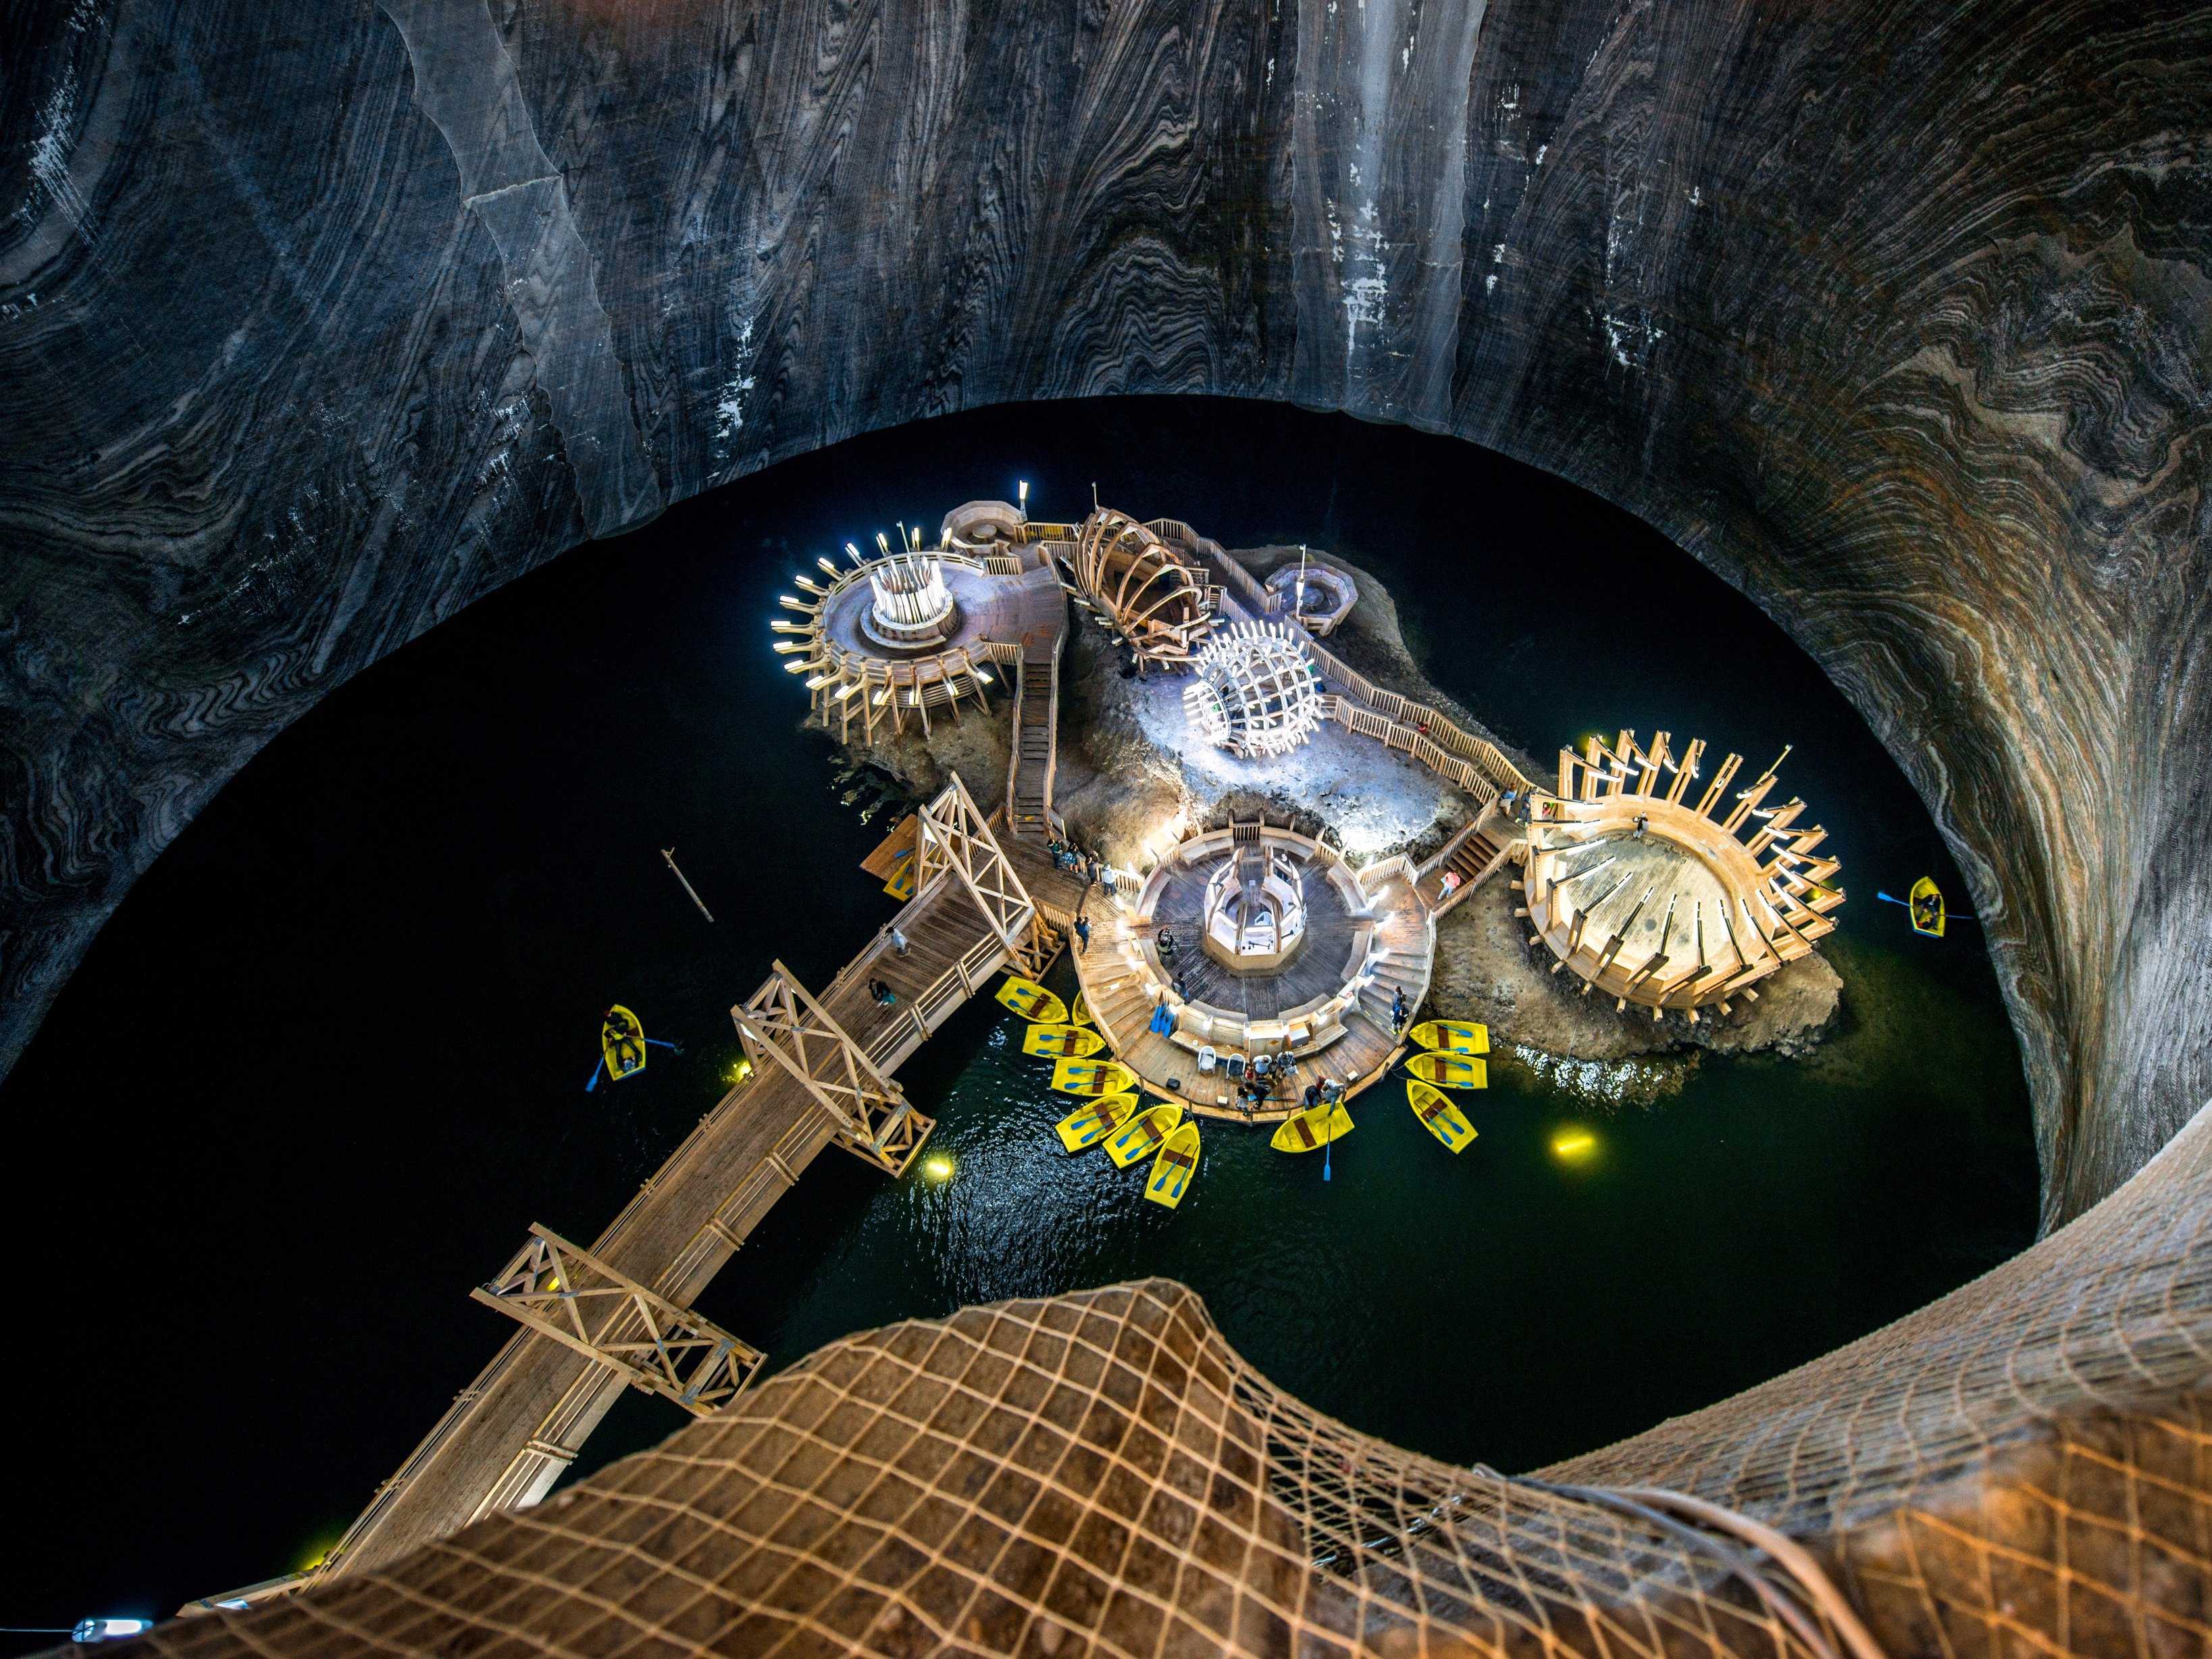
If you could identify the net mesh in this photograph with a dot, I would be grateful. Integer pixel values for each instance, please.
(2021, 1467)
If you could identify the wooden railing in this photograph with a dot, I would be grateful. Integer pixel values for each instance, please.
(1476, 766)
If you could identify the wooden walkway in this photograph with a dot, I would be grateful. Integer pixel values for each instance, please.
(508, 1435)
(1029, 767)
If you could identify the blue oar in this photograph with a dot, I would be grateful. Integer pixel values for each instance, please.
(658, 1043)
(1328, 1143)
(1949, 915)
(595, 1066)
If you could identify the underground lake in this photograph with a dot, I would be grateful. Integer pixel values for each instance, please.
(328, 1061)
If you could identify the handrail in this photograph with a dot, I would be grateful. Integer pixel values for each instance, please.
(1497, 772)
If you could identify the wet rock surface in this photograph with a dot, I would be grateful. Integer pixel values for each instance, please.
(313, 329)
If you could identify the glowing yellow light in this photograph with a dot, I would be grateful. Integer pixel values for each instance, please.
(1573, 1144)
(938, 1168)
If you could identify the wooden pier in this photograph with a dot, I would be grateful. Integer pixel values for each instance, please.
(822, 1069)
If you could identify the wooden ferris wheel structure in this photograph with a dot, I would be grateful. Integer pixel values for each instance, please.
(1154, 595)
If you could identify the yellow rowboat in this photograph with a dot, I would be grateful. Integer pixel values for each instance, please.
(622, 1040)
(900, 885)
(1450, 1071)
(1924, 904)
(1061, 1040)
(1094, 1120)
(1453, 1036)
(1032, 1001)
(1092, 1077)
(1441, 1119)
(1081, 1015)
(1176, 1164)
(1142, 1135)
(1317, 1127)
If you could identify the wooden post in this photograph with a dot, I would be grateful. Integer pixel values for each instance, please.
(669, 852)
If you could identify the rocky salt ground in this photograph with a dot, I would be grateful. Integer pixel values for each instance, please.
(1132, 780)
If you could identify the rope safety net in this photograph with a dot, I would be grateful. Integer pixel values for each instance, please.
(2022, 1466)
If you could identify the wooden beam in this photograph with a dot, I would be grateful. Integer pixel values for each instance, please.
(563, 1291)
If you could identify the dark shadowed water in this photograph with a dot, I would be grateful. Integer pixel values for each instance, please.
(327, 1063)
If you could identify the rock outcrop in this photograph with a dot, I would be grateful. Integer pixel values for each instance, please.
(315, 327)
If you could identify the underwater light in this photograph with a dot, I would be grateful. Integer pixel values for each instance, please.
(818, 681)
(938, 1168)
(984, 675)
(1573, 1144)
(848, 689)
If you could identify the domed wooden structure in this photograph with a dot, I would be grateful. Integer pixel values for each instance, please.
(1153, 595)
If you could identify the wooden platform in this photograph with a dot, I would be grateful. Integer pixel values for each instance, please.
(1349, 965)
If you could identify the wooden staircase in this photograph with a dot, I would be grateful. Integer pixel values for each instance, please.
(1475, 854)
(1036, 714)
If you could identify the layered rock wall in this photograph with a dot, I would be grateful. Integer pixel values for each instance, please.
(316, 324)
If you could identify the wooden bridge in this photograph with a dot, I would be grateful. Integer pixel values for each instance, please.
(617, 1314)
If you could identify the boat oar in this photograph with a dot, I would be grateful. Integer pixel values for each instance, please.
(658, 1043)
(1327, 1142)
(597, 1066)
(1948, 915)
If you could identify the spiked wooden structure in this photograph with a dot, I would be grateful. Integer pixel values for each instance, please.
(911, 636)
(1656, 902)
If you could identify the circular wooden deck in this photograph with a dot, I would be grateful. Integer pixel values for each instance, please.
(1368, 934)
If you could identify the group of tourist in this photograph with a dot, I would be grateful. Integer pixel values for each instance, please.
(1066, 855)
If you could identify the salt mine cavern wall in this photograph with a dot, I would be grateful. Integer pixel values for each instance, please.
(315, 325)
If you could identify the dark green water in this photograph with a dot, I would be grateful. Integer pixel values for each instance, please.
(466, 837)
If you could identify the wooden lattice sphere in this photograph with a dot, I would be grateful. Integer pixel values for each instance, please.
(1256, 692)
